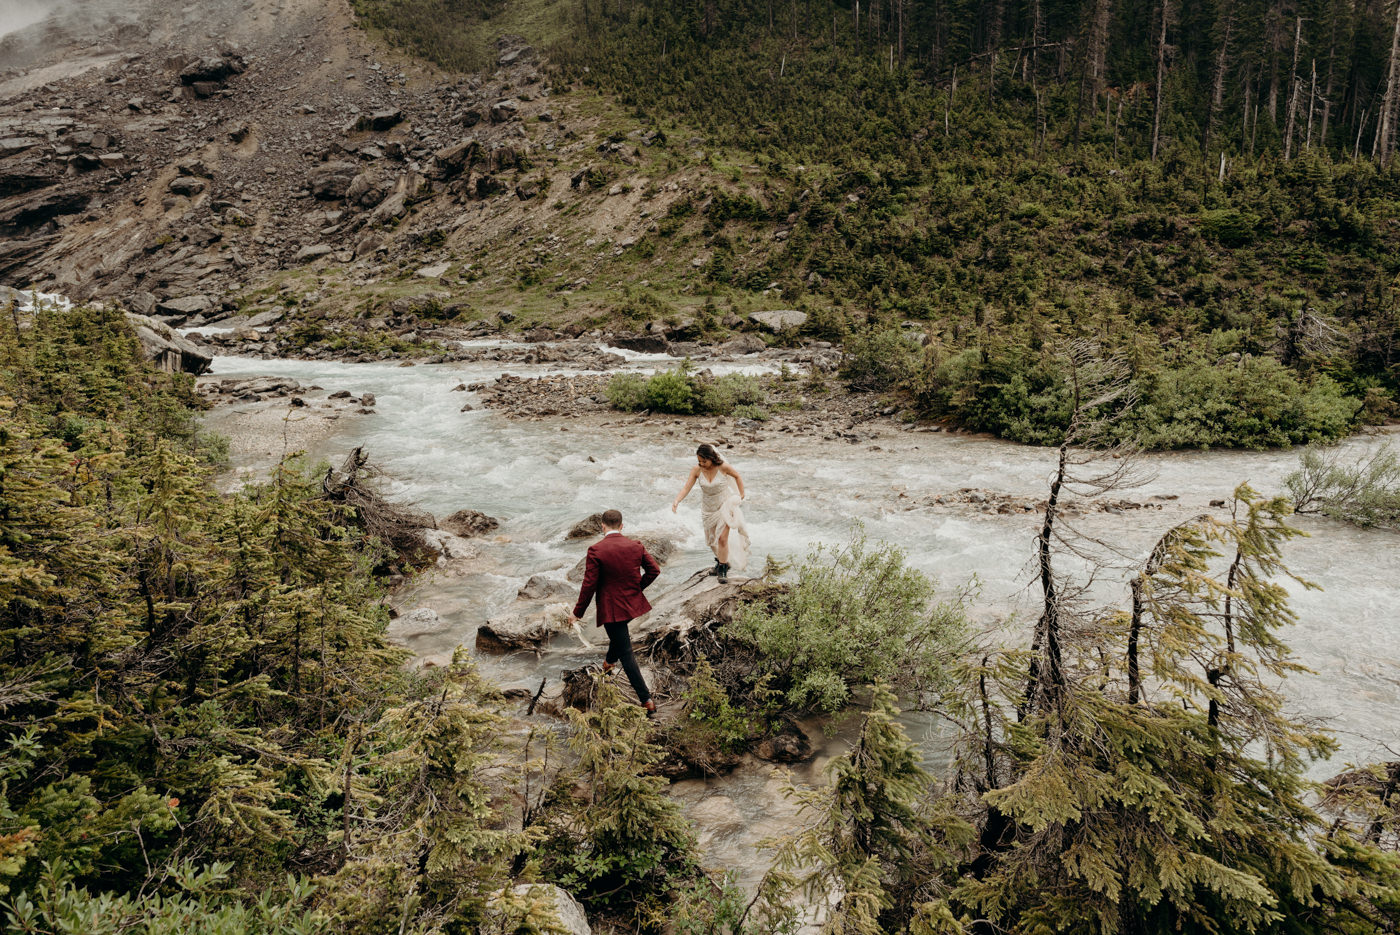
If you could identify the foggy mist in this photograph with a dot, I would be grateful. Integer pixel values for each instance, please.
(17, 14)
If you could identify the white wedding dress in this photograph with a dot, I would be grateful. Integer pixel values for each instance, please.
(719, 507)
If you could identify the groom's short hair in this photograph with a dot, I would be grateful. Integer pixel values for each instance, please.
(612, 519)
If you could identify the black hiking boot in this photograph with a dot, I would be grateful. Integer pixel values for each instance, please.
(723, 571)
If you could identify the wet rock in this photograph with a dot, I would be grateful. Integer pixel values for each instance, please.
(789, 745)
(419, 622)
(449, 546)
(522, 630)
(367, 399)
(543, 588)
(743, 344)
(468, 523)
(587, 527)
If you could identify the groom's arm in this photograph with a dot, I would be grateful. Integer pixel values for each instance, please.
(590, 583)
(649, 568)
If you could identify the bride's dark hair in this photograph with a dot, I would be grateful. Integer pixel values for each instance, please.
(709, 454)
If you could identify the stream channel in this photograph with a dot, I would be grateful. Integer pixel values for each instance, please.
(540, 477)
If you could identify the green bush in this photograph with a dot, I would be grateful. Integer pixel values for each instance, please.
(1229, 227)
(879, 360)
(682, 392)
(723, 395)
(203, 903)
(855, 615)
(672, 391)
(1249, 402)
(1365, 491)
(627, 391)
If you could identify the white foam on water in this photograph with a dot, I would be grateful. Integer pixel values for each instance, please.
(539, 482)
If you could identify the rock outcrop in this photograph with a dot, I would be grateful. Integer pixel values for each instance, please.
(168, 350)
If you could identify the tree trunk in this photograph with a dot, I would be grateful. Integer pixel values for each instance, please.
(1160, 91)
(1385, 122)
(1293, 91)
(1217, 92)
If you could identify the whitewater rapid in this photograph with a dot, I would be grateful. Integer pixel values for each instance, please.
(539, 477)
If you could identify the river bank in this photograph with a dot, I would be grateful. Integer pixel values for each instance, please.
(938, 495)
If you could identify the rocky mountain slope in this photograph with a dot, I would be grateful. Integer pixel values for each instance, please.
(266, 155)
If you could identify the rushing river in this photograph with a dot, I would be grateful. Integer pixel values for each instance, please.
(539, 477)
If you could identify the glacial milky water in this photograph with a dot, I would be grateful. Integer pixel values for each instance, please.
(539, 477)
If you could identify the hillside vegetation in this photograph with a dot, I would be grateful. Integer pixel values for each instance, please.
(989, 180)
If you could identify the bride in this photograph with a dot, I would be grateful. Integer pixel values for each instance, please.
(725, 532)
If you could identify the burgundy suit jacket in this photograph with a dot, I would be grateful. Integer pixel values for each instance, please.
(617, 569)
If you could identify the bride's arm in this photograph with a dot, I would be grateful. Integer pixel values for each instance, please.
(737, 479)
(689, 483)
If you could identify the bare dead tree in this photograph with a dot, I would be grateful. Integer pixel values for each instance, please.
(1089, 464)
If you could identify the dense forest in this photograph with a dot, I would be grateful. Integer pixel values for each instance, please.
(953, 189)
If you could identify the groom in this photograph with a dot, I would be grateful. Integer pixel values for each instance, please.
(618, 569)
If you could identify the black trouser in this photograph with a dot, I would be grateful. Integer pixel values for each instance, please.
(620, 650)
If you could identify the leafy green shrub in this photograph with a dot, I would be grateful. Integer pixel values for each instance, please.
(627, 391)
(1365, 491)
(203, 903)
(672, 391)
(1252, 402)
(878, 360)
(756, 413)
(682, 392)
(710, 713)
(724, 394)
(855, 615)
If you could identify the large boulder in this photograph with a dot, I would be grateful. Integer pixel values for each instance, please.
(185, 306)
(544, 588)
(380, 120)
(453, 160)
(587, 527)
(530, 629)
(168, 350)
(743, 344)
(468, 523)
(780, 320)
(213, 69)
(529, 900)
(640, 343)
(660, 547)
(330, 181)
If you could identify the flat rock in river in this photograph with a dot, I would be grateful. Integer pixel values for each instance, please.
(523, 630)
